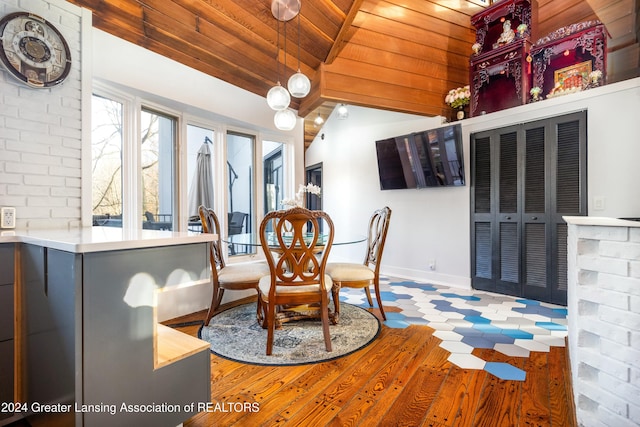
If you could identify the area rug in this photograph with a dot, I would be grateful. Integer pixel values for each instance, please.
(236, 335)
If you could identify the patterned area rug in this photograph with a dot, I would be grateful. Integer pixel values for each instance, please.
(235, 334)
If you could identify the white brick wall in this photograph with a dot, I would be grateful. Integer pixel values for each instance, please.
(40, 132)
(604, 323)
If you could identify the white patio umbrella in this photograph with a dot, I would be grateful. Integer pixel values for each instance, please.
(201, 191)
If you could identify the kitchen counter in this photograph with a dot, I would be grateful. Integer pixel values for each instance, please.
(99, 239)
(87, 299)
(601, 221)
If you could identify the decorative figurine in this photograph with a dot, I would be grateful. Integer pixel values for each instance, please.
(507, 36)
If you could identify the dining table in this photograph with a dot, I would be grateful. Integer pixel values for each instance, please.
(253, 239)
(299, 312)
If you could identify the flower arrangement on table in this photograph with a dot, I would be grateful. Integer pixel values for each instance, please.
(459, 97)
(298, 199)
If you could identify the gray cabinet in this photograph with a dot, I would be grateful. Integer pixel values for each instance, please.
(7, 329)
(525, 178)
(51, 289)
(90, 334)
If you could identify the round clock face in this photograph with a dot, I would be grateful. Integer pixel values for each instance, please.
(33, 50)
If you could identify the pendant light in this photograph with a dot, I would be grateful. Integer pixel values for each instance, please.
(278, 97)
(299, 84)
(285, 119)
(343, 112)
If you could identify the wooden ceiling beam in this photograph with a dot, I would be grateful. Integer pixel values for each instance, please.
(343, 35)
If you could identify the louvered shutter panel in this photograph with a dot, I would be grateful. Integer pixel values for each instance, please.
(535, 255)
(568, 168)
(483, 250)
(482, 176)
(508, 172)
(509, 252)
(561, 285)
(534, 181)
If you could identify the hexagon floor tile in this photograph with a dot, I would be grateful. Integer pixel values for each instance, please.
(467, 319)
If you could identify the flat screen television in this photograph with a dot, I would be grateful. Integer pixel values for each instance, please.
(431, 158)
(394, 164)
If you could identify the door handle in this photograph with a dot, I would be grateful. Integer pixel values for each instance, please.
(534, 218)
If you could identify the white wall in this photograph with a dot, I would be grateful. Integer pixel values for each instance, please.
(41, 131)
(433, 223)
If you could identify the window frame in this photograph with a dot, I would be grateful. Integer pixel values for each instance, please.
(132, 105)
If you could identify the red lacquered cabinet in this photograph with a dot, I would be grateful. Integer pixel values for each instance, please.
(500, 67)
(564, 60)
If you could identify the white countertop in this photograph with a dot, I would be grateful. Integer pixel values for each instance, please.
(99, 239)
(601, 221)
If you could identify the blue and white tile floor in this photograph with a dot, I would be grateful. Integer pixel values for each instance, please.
(469, 319)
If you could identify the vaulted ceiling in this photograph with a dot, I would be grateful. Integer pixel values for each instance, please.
(400, 55)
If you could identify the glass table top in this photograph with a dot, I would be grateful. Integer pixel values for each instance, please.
(252, 239)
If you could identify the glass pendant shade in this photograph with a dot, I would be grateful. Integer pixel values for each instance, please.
(278, 98)
(285, 119)
(299, 85)
(343, 112)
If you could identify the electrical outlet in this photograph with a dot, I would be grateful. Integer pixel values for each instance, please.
(8, 218)
(432, 264)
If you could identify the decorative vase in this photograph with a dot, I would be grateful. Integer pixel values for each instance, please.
(460, 114)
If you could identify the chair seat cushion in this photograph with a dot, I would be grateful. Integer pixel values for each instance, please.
(349, 272)
(246, 272)
(265, 284)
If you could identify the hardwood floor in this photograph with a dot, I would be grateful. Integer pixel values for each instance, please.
(402, 379)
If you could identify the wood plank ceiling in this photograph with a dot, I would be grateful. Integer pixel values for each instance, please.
(400, 55)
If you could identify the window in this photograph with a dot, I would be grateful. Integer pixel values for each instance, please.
(240, 194)
(273, 175)
(106, 161)
(200, 171)
(147, 169)
(157, 146)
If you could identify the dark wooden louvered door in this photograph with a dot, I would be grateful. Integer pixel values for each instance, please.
(525, 178)
(535, 218)
(482, 225)
(508, 219)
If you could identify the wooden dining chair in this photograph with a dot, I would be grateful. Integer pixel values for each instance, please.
(297, 254)
(233, 277)
(354, 275)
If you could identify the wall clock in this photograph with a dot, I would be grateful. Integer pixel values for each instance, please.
(33, 50)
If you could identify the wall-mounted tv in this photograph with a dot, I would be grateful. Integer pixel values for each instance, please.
(432, 158)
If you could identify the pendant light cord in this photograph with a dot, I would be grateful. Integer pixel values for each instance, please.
(299, 41)
(278, 49)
